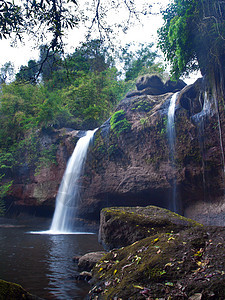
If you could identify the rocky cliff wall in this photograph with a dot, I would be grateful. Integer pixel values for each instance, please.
(129, 162)
(131, 165)
(34, 190)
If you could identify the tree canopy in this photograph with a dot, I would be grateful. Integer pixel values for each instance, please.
(50, 19)
(193, 36)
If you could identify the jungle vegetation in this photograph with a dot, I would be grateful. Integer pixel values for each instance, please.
(193, 37)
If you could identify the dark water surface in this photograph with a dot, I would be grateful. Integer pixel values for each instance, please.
(42, 263)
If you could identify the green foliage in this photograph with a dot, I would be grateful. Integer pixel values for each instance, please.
(10, 19)
(193, 35)
(91, 98)
(175, 37)
(28, 73)
(142, 106)
(6, 160)
(7, 71)
(4, 189)
(48, 157)
(119, 122)
(47, 16)
(140, 62)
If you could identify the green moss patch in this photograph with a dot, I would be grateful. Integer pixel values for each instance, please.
(166, 265)
(121, 226)
(12, 291)
(119, 123)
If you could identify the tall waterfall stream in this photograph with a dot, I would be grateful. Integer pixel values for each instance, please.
(68, 195)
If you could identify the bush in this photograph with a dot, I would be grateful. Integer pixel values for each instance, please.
(119, 123)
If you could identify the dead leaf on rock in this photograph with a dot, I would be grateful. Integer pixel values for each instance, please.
(138, 287)
(107, 283)
(197, 296)
(169, 264)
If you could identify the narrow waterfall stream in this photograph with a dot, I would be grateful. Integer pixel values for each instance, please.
(171, 138)
(68, 195)
(200, 120)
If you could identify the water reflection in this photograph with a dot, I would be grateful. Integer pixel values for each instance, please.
(42, 263)
(60, 272)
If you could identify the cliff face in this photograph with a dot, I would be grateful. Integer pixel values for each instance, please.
(34, 190)
(129, 162)
(131, 165)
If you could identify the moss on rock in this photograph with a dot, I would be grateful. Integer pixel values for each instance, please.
(12, 291)
(166, 265)
(121, 226)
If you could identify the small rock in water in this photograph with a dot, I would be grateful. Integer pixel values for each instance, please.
(76, 258)
(88, 261)
(85, 276)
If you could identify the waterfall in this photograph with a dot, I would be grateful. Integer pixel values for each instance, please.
(68, 196)
(171, 138)
(199, 120)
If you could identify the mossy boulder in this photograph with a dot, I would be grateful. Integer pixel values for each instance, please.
(168, 265)
(122, 226)
(12, 291)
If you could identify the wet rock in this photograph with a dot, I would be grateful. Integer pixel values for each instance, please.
(86, 276)
(192, 97)
(37, 189)
(188, 264)
(146, 91)
(12, 291)
(133, 167)
(123, 226)
(76, 258)
(88, 261)
(133, 94)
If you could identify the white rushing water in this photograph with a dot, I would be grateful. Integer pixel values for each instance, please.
(199, 120)
(68, 195)
(171, 138)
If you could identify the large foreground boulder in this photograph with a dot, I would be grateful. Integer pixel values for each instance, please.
(185, 263)
(123, 226)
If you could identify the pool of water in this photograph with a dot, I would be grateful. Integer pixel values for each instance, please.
(42, 263)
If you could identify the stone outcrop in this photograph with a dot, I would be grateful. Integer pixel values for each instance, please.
(153, 85)
(120, 227)
(182, 264)
(130, 165)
